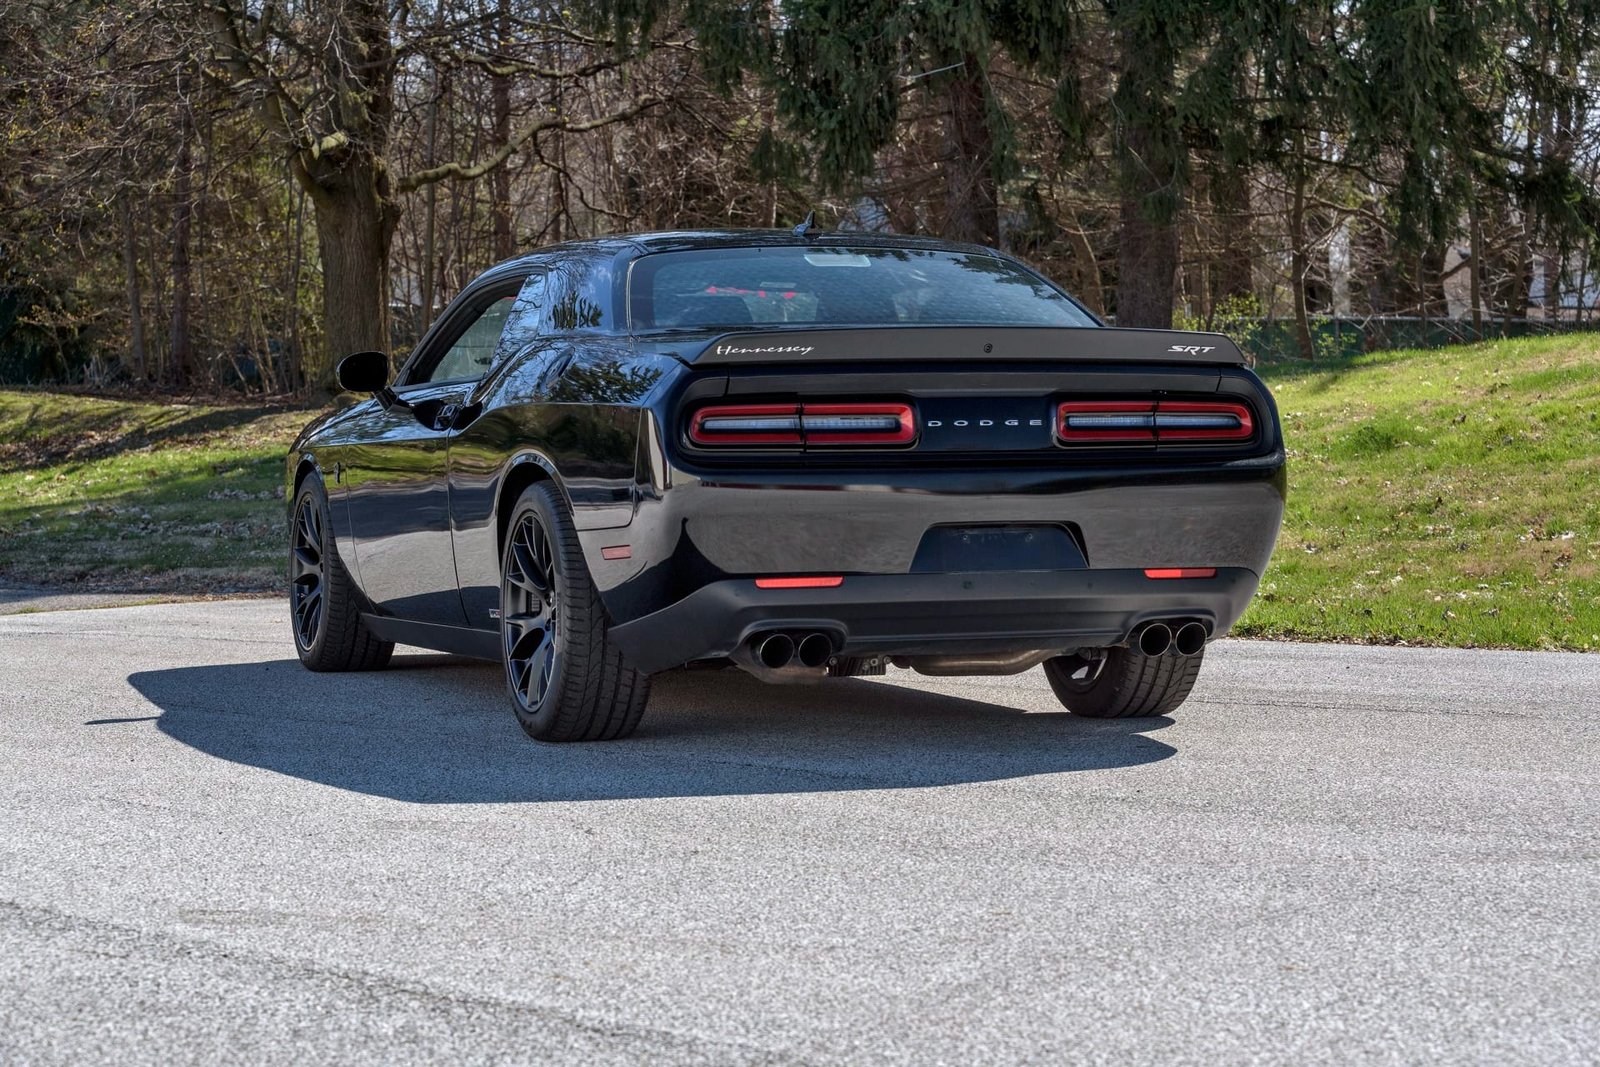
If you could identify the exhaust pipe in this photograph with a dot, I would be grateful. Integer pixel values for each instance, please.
(1154, 639)
(773, 651)
(814, 651)
(1190, 640)
(975, 663)
(771, 657)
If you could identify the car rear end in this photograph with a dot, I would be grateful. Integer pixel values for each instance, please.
(944, 495)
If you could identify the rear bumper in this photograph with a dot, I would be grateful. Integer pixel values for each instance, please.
(935, 613)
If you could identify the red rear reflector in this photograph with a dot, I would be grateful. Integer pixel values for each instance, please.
(1180, 572)
(617, 552)
(1149, 421)
(800, 583)
(810, 424)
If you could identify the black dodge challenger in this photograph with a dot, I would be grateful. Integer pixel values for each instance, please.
(807, 454)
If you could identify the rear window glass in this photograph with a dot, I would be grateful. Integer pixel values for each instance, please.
(737, 287)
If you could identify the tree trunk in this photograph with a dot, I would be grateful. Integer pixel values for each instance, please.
(180, 349)
(1299, 263)
(1149, 165)
(134, 359)
(158, 307)
(355, 225)
(971, 208)
(1475, 264)
(1430, 283)
(1147, 260)
(294, 360)
(431, 209)
(1232, 273)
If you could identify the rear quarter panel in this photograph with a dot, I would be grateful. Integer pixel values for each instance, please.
(579, 426)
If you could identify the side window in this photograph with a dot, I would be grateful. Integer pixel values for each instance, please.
(473, 352)
(527, 319)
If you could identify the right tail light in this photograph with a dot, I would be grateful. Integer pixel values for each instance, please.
(1151, 421)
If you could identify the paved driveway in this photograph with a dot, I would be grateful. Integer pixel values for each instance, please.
(1330, 854)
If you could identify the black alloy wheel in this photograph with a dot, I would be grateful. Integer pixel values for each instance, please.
(324, 604)
(307, 581)
(566, 679)
(530, 616)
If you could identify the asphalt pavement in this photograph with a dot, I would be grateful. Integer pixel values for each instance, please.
(1330, 854)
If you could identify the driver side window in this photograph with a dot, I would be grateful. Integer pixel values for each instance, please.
(473, 352)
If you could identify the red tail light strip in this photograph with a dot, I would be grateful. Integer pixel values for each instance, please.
(827, 582)
(810, 424)
(1180, 572)
(1147, 421)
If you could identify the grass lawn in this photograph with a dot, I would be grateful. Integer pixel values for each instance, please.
(1443, 497)
(131, 495)
(1436, 497)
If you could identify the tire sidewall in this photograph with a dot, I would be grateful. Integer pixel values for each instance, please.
(539, 501)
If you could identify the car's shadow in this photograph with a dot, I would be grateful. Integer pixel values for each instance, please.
(435, 729)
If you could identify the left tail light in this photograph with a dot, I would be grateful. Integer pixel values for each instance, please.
(750, 424)
(1150, 421)
(810, 424)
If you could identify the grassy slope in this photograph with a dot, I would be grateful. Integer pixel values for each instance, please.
(1449, 496)
(143, 496)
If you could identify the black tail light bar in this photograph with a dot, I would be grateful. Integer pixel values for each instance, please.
(1100, 422)
(735, 425)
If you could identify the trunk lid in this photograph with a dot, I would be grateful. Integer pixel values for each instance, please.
(970, 344)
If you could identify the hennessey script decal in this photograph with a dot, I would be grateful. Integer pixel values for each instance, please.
(783, 350)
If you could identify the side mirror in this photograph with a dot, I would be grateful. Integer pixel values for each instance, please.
(364, 372)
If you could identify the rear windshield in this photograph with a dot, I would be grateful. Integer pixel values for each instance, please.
(737, 287)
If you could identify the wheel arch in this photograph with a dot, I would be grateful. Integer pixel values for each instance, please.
(524, 469)
(304, 467)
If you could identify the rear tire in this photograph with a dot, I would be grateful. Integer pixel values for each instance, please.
(1126, 684)
(324, 605)
(566, 680)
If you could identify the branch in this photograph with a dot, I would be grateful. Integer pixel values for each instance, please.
(463, 172)
(232, 52)
(505, 67)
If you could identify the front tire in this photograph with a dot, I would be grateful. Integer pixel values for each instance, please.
(324, 606)
(1125, 684)
(566, 680)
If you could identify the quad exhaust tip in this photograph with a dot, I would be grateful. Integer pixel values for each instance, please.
(774, 651)
(814, 651)
(1155, 638)
(1179, 639)
(1190, 639)
(775, 656)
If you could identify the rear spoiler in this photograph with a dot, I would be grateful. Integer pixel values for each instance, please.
(1081, 344)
